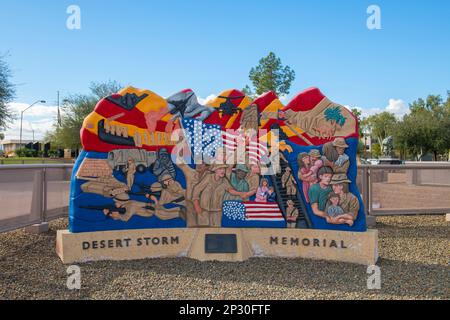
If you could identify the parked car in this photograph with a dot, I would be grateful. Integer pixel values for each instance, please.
(390, 161)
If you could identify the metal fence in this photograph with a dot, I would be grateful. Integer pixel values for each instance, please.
(419, 188)
(31, 194)
(12, 161)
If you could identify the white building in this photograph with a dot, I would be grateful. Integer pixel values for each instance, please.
(10, 146)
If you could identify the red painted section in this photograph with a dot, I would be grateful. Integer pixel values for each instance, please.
(264, 100)
(215, 118)
(108, 109)
(161, 125)
(236, 93)
(305, 100)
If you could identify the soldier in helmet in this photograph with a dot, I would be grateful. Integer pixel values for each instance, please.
(143, 209)
(171, 191)
(131, 208)
(163, 164)
(335, 155)
(208, 196)
(237, 180)
(289, 183)
(291, 214)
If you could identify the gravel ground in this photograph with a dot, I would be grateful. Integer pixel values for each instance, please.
(414, 265)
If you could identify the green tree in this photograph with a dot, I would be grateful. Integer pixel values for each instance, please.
(426, 129)
(376, 150)
(271, 75)
(248, 92)
(75, 108)
(360, 119)
(381, 125)
(7, 93)
(361, 147)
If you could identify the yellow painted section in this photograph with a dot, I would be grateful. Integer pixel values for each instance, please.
(217, 101)
(291, 133)
(244, 104)
(148, 138)
(152, 102)
(274, 106)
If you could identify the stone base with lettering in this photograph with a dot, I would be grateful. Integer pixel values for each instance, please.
(218, 244)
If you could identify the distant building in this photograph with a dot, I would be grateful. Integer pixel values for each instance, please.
(10, 146)
(366, 140)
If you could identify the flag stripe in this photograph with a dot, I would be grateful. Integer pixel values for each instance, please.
(262, 210)
(265, 219)
(261, 204)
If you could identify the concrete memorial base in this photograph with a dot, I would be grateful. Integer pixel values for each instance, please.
(220, 244)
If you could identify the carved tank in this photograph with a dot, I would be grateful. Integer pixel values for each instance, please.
(104, 186)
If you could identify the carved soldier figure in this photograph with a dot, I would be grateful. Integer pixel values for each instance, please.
(291, 214)
(347, 201)
(335, 155)
(250, 118)
(193, 177)
(163, 164)
(208, 196)
(237, 179)
(289, 183)
(171, 191)
(142, 209)
(131, 170)
(253, 179)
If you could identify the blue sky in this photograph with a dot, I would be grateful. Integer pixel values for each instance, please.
(210, 46)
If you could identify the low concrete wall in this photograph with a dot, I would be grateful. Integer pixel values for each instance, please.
(428, 177)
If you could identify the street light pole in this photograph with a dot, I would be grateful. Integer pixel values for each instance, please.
(32, 130)
(21, 119)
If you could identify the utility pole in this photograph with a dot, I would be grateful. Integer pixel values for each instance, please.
(59, 114)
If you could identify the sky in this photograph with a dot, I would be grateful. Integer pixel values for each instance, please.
(210, 46)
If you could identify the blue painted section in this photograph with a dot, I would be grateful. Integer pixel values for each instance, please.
(85, 220)
(318, 222)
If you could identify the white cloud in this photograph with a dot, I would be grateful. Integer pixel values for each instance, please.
(396, 106)
(38, 110)
(283, 98)
(39, 118)
(208, 98)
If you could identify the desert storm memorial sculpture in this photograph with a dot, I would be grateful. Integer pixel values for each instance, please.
(226, 180)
